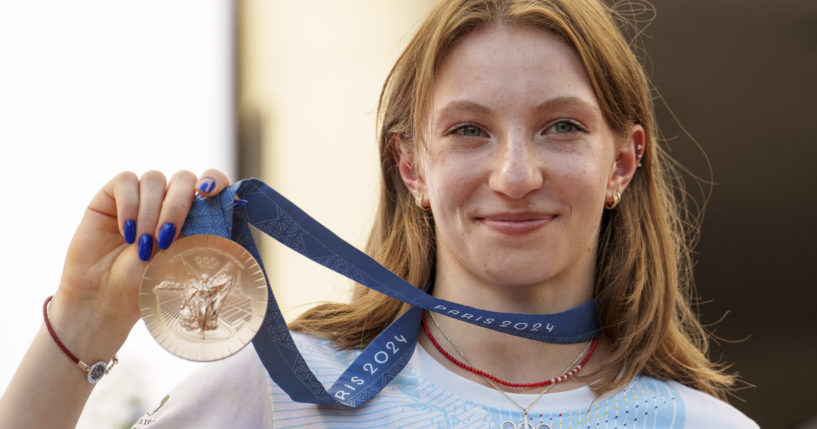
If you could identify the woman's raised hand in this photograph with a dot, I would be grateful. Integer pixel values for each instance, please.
(96, 305)
(128, 221)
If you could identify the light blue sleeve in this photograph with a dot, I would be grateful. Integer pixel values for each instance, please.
(705, 411)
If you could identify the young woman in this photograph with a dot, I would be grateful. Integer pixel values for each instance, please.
(521, 174)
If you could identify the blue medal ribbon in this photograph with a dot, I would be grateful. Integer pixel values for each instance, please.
(385, 357)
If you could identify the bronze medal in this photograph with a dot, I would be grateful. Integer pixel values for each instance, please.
(204, 298)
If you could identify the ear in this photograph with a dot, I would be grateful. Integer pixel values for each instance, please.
(627, 160)
(408, 166)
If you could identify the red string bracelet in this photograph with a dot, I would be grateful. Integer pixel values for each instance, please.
(95, 371)
(482, 373)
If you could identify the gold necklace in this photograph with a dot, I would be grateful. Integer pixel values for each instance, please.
(525, 423)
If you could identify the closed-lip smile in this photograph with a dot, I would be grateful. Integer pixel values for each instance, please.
(515, 223)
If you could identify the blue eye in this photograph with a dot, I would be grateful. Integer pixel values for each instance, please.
(469, 130)
(565, 127)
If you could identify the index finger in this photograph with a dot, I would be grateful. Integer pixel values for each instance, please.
(119, 199)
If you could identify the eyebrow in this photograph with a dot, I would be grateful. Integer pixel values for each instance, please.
(464, 106)
(553, 103)
(567, 101)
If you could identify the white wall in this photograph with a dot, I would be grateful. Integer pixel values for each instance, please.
(89, 88)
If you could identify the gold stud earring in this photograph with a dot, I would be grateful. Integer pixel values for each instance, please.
(418, 199)
(612, 204)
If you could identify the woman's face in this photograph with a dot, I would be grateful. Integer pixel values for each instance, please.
(519, 161)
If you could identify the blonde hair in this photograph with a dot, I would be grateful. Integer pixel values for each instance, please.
(643, 284)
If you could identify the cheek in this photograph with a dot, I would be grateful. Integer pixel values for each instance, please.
(593, 179)
(585, 178)
(449, 178)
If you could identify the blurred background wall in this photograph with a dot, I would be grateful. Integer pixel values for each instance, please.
(740, 77)
(310, 75)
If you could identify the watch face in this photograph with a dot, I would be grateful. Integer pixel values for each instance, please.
(204, 298)
(96, 372)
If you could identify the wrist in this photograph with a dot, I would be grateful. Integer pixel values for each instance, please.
(94, 371)
(87, 329)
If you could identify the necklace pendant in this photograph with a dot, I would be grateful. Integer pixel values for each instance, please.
(524, 424)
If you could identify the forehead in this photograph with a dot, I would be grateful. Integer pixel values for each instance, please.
(511, 65)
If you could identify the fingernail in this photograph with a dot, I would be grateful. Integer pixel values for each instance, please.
(145, 247)
(166, 234)
(130, 231)
(206, 185)
(238, 202)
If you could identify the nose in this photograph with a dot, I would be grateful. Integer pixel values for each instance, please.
(517, 172)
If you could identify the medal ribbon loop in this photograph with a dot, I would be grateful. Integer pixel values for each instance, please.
(379, 363)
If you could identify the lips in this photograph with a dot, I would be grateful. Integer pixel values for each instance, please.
(516, 223)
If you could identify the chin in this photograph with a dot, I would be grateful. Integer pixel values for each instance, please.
(521, 276)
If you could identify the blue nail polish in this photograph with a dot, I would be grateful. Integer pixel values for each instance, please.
(129, 231)
(166, 234)
(238, 202)
(145, 247)
(206, 185)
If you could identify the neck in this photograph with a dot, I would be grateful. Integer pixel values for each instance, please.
(506, 292)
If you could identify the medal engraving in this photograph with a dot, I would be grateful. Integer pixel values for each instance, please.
(204, 298)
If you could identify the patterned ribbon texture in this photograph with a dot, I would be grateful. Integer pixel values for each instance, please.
(376, 366)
